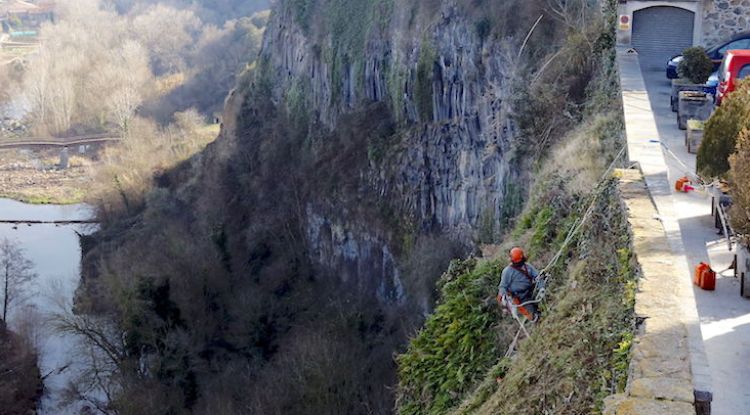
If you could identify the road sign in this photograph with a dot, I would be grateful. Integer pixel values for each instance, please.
(624, 22)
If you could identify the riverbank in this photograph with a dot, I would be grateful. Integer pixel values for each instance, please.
(55, 252)
(20, 380)
(33, 177)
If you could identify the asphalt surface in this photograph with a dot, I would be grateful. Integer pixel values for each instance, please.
(724, 314)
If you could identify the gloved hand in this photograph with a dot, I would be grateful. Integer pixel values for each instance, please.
(541, 281)
(540, 294)
(513, 310)
(505, 304)
(502, 300)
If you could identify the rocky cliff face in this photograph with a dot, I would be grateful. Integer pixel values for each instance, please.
(447, 87)
(373, 141)
(443, 78)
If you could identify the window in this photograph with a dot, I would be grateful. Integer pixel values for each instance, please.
(744, 71)
(737, 44)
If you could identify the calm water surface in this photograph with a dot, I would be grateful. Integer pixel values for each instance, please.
(56, 255)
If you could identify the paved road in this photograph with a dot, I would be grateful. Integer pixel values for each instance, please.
(724, 315)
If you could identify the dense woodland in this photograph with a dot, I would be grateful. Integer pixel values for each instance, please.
(98, 68)
(156, 73)
(20, 380)
(294, 264)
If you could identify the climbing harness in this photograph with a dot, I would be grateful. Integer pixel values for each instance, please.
(544, 273)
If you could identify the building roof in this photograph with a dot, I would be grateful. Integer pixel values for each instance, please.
(18, 7)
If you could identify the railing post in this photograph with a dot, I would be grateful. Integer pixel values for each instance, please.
(63, 159)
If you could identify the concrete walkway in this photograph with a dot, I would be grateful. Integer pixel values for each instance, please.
(724, 314)
(660, 378)
(644, 149)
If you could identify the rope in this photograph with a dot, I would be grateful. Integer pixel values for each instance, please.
(578, 224)
(688, 170)
(572, 232)
(706, 186)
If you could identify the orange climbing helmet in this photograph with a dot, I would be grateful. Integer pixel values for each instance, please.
(517, 256)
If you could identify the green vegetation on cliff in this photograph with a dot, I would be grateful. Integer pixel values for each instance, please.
(348, 24)
(579, 353)
(458, 342)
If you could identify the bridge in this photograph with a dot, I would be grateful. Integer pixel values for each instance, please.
(58, 141)
(30, 222)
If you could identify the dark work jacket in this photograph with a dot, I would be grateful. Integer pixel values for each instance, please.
(514, 282)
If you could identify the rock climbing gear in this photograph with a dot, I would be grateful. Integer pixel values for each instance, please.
(539, 297)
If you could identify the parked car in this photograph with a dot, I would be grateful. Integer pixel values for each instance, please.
(716, 53)
(736, 66)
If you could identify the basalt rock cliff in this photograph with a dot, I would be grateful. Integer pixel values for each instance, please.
(370, 142)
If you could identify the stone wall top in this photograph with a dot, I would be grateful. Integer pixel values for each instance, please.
(660, 379)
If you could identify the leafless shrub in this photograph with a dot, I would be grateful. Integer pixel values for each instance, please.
(127, 174)
(16, 272)
(740, 172)
(19, 375)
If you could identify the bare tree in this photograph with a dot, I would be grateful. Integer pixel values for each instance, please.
(573, 14)
(37, 82)
(16, 271)
(167, 33)
(103, 353)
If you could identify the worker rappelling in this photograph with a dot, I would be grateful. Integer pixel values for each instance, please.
(519, 281)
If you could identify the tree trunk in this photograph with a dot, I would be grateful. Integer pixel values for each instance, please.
(6, 293)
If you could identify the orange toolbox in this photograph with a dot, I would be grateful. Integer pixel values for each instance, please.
(705, 277)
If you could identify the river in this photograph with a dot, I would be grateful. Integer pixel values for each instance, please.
(56, 255)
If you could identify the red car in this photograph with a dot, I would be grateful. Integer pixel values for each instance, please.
(736, 66)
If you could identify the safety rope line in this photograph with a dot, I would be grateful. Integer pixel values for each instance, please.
(708, 187)
(687, 170)
(578, 224)
(572, 232)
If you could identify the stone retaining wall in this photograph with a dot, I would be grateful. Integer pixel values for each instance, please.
(660, 379)
(724, 18)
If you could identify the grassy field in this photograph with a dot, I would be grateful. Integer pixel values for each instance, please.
(10, 53)
(32, 177)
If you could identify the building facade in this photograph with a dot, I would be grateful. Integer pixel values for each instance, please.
(661, 29)
(18, 15)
